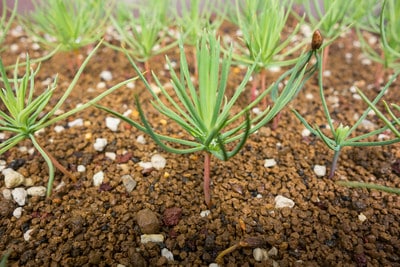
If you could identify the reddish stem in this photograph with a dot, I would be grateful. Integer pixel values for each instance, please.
(148, 71)
(253, 92)
(57, 164)
(263, 77)
(207, 196)
(325, 59)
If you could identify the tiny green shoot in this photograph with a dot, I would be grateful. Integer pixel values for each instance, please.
(205, 113)
(26, 114)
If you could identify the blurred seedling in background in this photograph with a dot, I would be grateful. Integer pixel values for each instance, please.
(6, 20)
(387, 25)
(143, 29)
(205, 113)
(25, 113)
(341, 135)
(334, 17)
(192, 18)
(67, 25)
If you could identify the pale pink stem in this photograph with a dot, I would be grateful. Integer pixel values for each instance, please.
(207, 196)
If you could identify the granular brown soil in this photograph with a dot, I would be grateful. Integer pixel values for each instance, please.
(84, 225)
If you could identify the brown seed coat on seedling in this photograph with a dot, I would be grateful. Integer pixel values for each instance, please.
(317, 40)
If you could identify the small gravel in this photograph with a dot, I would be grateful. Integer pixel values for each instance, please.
(283, 202)
(17, 213)
(36, 191)
(98, 178)
(128, 182)
(75, 123)
(100, 144)
(158, 161)
(112, 123)
(269, 163)
(12, 178)
(167, 254)
(106, 75)
(19, 195)
(320, 170)
(154, 238)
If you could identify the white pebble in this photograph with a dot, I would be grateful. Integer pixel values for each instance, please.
(320, 170)
(205, 213)
(362, 217)
(356, 97)
(260, 254)
(146, 165)
(158, 161)
(305, 132)
(19, 195)
(141, 140)
(213, 265)
(101, 85)
(327, 73)
(309, 96)
(100, 144)
(269, 163)
(98, 178)
(14, 48)
(81, 168)
(3, 164)
(35, 46)
(368, 125)
(382, 137)
(111, 155)
(12, 178)
(17, 213)
(155, 88)
(7, 194)
(39, 191)
(128, 182)
(112, 123)
(167, 254)
(256, 111)
(274, 69)
(130, 85)
(106, 75)
(155, 238)
(273, 252)
(283, 202)
(366, 61)
(59, 186)
(59, 129)
(75, 123)
(27, 234)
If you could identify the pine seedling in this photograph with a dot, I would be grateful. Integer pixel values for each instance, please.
(341, 135)
(26, 114)
(6, 20)
(387, 25)
(205, 113)
(143, 29)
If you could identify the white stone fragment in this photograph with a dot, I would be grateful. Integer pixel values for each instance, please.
(81, 168)
(14, 48)
(309, 96)
(7, 194)
(273, 252)
(368, 125)
(39, 191)
(356, 97)
(111, 155)
(283, 202)
(205, 213)
(158, 161)
(141, 140)
(213, 265)
(320, 170)
(155, 88)
(382, 137)
(35, 46)
(112, 123)
(305, 132)
(12, 178)
(327, 73)
(260, 254)
(167, 254)
(17, 213)
(269, 163)
(106, 75)
(155, 238)
(101, 85)
(19, 195)
(146, 165)
(75, 123)
(366, 61)
(128, 182)
(274, 69)
(362, 217)
(100, 144)
(27, 234)
(59, 129)
(256, 111)
(130, 85)
(3, 165)
(98, 178)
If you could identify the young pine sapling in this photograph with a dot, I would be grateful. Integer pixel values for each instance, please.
(6, 20)
(340, 134)
(205, 113)
(26, 114)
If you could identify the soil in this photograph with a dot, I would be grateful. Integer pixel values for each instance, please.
(86, 225)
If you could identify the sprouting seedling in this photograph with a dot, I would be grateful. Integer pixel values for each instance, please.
(248, 242)
(333, 17)
(341, 135)
(205, 113)
(6, 19)
(26, 114)
(261, 23)
(142, 30)
(67, 25)
(387, 25)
